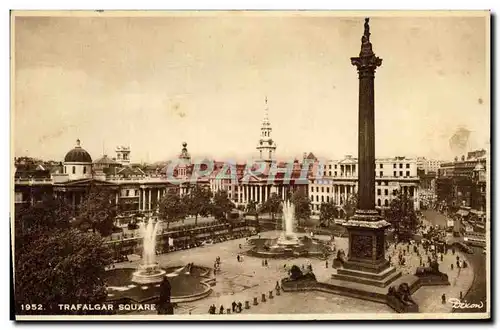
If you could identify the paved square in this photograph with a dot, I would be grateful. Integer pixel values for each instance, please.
(241, 281)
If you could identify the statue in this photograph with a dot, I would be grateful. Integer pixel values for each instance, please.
(164, 305)
(402, 294)
(367, 29)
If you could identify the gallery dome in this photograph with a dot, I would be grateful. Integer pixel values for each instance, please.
(78, 155)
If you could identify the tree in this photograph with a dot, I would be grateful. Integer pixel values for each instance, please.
(54, 263)
(327, 212)
(98, 211)
(351, 205)
(172, 208)
(252, 209)
(198, 202)
(49, 213)
(272, 205)
(221, 205)
(302, 205)
(402, 216)
(63, 266)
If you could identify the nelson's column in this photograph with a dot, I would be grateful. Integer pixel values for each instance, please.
(366, 263)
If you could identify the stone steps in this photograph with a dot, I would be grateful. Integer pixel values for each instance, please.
(358, 277)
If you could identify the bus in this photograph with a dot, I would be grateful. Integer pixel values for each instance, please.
(475, 239)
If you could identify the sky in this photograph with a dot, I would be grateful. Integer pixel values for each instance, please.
(154, 82)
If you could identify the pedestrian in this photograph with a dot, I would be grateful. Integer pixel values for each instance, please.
(238, 257)
(233, 305)
(326, 263)
(443, 299)
(221, 310)
(451, 266)
(461, 295)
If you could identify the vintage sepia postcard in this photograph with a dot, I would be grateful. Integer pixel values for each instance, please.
(243, 165)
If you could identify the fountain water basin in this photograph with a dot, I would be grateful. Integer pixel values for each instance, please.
(147, 274)
(288, 243)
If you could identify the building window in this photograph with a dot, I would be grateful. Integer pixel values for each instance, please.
(317, 189)
(330, 167)
(386, 203)
(378, 202)
(335, 171)
(85, 170)
(126, 193)
(400, 173)
(395, 174)
(312, 189)
(393, 165)
(381, 165)
(407, 165)
(386, 192)
(407, 173)
(74, 169)
(322, 189)
(317, 198)
(400, 165)
(327, 190)
(328, 199)
(335, 168)
(378, 192)
(137, 192)
(330, 173)
(322, 199)
(381, 174)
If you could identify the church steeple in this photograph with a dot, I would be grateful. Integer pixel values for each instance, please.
(266, 145)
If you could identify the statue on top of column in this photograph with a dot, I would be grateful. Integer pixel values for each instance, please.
(367, 29)
(366, 45)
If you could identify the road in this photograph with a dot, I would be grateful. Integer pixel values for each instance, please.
(477, 292)
(435, 218)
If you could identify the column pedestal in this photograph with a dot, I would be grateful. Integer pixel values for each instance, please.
(366, 263)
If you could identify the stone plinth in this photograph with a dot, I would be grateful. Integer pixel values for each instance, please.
(366, 263)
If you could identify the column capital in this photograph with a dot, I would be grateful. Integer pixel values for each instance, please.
(366, 62)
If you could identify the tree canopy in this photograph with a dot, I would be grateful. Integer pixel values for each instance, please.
(54, 262)
(272, 205)
(221, 205)
(65, 266)
(98, 211)
(327, 212)
(198, 202)
(351, 205)
(302, 205)
(402, 216)
(172, 207)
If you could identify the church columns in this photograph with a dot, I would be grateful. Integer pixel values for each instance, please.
(149, 198)
(143, 199)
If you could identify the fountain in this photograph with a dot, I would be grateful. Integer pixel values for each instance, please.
(148, 271)
(288, 238)
(288, 243)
